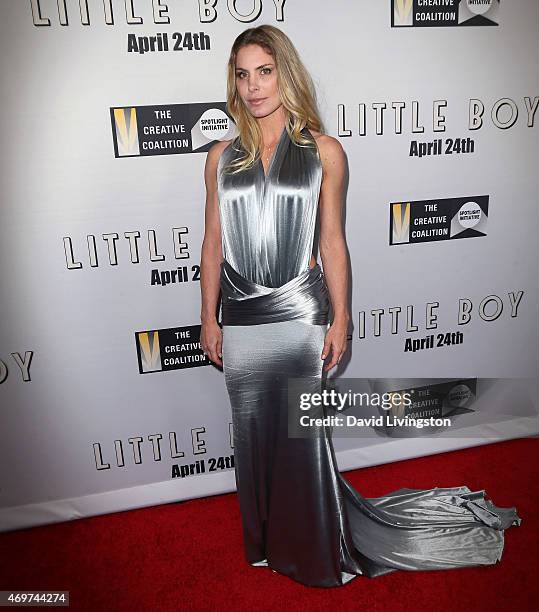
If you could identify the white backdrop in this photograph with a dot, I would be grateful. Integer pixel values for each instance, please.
(106, 402)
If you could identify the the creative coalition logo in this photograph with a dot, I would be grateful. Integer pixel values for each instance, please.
(441, 219)
(433, 409)
(169, 129)
(436, 400)
(437, 13)
(175, 348)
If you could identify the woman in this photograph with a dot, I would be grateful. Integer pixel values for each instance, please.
(300, 516)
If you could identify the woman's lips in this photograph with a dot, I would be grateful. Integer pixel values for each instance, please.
(256, 102)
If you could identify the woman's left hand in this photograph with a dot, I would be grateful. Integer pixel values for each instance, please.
(335, 341)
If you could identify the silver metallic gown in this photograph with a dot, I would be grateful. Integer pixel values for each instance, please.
(300, 516)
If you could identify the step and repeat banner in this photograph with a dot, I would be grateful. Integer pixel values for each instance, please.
(109, 108)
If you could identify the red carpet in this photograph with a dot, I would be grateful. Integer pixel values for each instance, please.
(189, 556)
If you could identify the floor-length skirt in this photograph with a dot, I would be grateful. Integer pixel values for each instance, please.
(300, 516)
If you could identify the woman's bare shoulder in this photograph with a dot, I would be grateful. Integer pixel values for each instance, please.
(213, 156)
(331, 151)
(217, 148)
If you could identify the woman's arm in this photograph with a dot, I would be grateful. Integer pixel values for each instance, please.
(333, 249)
(210, 260)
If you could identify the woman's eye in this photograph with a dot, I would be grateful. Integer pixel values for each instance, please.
(240, 75)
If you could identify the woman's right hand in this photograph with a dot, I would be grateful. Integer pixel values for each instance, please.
(211, 341)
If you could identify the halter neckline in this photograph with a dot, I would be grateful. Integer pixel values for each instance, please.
(273, 156)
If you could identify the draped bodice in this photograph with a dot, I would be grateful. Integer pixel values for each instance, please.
(268, 221)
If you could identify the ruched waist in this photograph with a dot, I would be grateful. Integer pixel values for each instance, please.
(305, 297)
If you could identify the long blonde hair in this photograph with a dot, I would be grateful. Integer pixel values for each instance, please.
(296, 90)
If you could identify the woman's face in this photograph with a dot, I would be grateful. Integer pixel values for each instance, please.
(256, 80)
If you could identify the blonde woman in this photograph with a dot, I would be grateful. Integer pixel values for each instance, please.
(264, 190)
